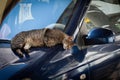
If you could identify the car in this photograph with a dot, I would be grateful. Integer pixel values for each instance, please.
(94, 24)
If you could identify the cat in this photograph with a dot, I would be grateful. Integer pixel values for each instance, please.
(23, 41)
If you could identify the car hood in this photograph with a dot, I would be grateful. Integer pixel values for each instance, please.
(55, 61)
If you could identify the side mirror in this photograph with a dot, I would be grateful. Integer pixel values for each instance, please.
(99, 36)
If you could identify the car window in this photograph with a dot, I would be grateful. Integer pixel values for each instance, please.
(105, 14)
(100, 14)
(35, 14)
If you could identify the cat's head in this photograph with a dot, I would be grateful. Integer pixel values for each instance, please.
(68, 42)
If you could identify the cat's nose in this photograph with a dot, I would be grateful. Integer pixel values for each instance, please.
(68, 47)
(64, 47)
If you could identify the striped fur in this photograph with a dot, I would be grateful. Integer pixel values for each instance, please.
(23, 41)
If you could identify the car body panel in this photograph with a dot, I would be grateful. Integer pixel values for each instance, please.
(94, 62)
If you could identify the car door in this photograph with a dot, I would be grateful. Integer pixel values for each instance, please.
(104, 59)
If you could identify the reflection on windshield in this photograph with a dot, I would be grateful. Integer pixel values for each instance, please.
(4, 31)
(32, 14)
(25, 8)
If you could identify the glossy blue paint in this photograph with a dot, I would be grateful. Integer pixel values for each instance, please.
(79, 11)
(10, 70)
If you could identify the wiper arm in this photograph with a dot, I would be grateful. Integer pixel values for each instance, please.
(5, 41)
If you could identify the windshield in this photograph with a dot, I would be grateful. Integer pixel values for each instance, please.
(35, 14)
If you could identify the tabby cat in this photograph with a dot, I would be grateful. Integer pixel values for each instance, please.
(23, 41)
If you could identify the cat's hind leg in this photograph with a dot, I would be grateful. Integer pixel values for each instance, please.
(18, 53)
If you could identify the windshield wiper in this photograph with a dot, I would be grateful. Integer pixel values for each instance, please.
(5, 41)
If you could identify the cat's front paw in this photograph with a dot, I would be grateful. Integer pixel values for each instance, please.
(20, 56)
